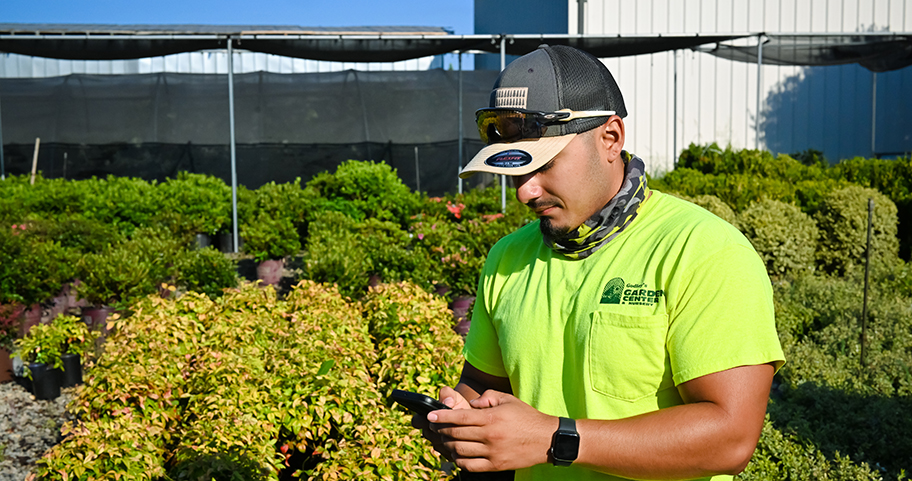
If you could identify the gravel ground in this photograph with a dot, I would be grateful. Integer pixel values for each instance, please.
(28, 427)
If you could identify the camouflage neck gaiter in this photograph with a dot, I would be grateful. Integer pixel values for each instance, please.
(607, 223)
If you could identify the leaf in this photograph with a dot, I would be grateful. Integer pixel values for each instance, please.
(325, 367)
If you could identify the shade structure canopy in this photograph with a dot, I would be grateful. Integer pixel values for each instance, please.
(876, 51)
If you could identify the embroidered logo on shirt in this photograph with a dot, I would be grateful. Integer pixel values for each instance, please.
(617, 291)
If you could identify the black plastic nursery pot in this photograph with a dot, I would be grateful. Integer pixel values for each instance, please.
(45, 381)
(72, 370)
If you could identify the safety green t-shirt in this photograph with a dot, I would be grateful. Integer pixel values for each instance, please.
(677, 295)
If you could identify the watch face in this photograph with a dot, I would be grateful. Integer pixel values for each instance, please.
(566, 446)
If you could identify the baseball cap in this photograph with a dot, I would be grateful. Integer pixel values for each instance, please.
(547, 80)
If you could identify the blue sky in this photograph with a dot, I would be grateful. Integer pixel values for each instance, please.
(456, 15)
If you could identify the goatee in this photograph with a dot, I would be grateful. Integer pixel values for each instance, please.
(549, 230)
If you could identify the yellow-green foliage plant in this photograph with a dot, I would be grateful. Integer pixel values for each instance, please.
(250, 386)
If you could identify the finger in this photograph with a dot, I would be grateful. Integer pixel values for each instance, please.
(475, 465)
(453, 398)
(472, 434)
(489, 399)
(463, 417)
(466, 449)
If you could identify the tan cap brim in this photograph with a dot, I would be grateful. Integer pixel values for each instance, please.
(516, 158)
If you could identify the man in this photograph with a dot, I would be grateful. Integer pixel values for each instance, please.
(626, 333)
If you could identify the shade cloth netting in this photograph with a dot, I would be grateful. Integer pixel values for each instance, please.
(878, 53)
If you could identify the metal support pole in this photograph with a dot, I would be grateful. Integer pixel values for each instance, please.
(234, 209)
(461, 134)
(503, 178)
(864, 306)
(759, 89)
(674, 117)
(874, 116)
(580, 16)
(2, 163)
(417, 174)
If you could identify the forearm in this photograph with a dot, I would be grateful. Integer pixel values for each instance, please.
(467, 391)
(473, 383)
(687, 441)
(714, 432)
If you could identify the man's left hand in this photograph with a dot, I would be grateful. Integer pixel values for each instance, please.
(502, 433)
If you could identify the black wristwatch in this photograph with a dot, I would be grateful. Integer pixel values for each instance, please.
(565, 443)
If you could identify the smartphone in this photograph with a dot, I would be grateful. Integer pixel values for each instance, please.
(417, 403)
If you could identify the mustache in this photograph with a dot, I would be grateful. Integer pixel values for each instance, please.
(540, 204)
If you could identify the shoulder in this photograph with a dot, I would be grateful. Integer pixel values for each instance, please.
(675, 217)
(525, 240)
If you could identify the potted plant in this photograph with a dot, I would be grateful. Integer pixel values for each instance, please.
(40, 351)
(32, 271)
(207, 271)
(109, 280)
(9, 331)
(196, 205)
(52, 354)
(270, 239)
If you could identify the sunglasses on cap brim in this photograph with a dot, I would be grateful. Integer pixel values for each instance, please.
(510, 125)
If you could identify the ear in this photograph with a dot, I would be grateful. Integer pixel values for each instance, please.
(611, 137)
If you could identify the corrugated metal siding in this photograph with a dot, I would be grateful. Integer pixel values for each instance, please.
(204, 62)
(801, 107)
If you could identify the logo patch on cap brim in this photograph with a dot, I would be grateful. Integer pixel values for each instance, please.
(509, 159)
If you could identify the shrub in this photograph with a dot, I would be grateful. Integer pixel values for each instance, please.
(826, 395)
(363, 190)
(457, 251)
(892, 178)
(412, 330)
(273, 221)
(206, 270)
(843, 221)
(785, 237)
(132, 269)
(346, 252)
(75, 232)
(253, 387)
(786, 457)
(270, 237)
(31, 270)
(710, 159)
(195, 203)
(124, 202)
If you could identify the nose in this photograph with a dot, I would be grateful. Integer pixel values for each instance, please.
(527, 187)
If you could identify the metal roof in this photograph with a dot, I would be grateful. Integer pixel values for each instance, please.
(191, 29)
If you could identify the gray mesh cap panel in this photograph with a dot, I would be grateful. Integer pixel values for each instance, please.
(560, 77)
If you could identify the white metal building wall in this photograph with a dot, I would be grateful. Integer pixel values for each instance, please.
(716, 98)
(203, 62)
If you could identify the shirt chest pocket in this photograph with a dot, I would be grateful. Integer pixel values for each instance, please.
(626, 355)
